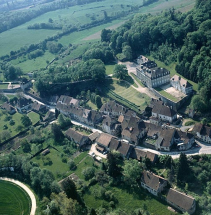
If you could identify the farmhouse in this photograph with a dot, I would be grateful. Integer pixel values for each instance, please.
(77, 137)
(181, 201)
(181, 84)
(140, 155)
(39, 108)
(104, 140)
(202, 132)
(153, 183)
(124, 149)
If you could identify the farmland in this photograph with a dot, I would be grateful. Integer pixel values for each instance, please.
(13, 200)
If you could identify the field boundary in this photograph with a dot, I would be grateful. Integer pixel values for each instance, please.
(27, 190)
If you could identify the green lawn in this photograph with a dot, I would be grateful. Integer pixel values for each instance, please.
(34, 117)
(167, 95)
(109, 68)
(80, 157)
(129, 200)
(13, 200)
(58, 168)
(127, 92)
(3, 86)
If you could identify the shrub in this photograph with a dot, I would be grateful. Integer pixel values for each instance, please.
(188, 123)
(88, 173)
(71, 164)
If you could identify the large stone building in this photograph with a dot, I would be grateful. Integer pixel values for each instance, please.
(151, 76)
(181, 85)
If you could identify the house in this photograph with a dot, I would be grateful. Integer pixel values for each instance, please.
(104, 140)
(203, 132)
(181, 201)
(152, 77)
(114, 144)
(64, 99)
(181, 85)
(165, 139)
(140, 155)
(9, 108)
(184, 140)
(94, 136)
(77, 137)
(39, 108)
(113, 108)
(133, 129)
(111, 126)
(124, 149)
(53, 100)
(162, 112)
(23, 104)
(142, 59)
(50, 116)
(153, 183)
(155, 120)
(89, 117)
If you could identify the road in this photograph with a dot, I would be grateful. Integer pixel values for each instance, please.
(31, 195)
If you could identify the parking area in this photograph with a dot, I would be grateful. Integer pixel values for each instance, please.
(94, 150)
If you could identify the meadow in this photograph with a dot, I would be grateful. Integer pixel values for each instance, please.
(13, 200)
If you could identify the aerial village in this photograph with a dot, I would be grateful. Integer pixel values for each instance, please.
(116, 127)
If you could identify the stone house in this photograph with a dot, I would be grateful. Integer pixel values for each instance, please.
(184, 140)
(94, 136)
(39, 108)
(163, 112)
(133, 129)
(202, 132)
(9, 108)
(140, 155)
(153, 183)
(111, 125)
(77, 137)
(23, 104)
(124, 149)
(104, 140)
(181, 85)
(181, 201)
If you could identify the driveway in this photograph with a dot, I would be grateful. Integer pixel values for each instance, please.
(31, 195)
(93, 149)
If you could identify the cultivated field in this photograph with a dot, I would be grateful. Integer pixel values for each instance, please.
(13, 200)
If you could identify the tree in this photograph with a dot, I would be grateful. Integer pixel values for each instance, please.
(120, 71)
(19, 128)
(26, 120)
(114, 160)
(183, 168)
(71, 164)
(57, 133)
(69, 188)
(127, 51)
(25, 146)
(98, 101)
(132, 171)
(61, 120)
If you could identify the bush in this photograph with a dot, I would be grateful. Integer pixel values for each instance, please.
(188, 123)
(88, 173)
(71, 164)
(92, 182)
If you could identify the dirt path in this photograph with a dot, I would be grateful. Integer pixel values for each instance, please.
(31, 195)
(131, 67)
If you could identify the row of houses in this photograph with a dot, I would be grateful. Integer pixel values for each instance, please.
(156, 184)
(153, 76)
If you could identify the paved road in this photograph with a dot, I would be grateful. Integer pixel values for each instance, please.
(31, 195)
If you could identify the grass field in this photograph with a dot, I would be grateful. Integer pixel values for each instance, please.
(34, 117)
(137, 79)
(110, 68)
(126, 91)
(3, 86)
(13, 200)
(129, 200)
